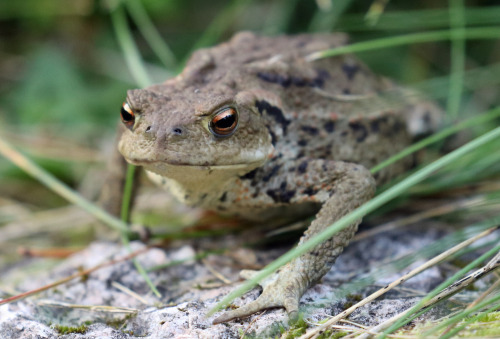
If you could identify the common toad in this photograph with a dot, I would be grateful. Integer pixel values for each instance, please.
(252, 128)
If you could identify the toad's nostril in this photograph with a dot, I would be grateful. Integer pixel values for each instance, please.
(177, 131)
(148, 129)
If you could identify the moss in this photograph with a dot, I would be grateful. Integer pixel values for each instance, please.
(70, 329)
(297, 328)
(487, 325)
(351, 299)
(118, 323)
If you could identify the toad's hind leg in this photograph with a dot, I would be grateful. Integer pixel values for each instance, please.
(340, 187)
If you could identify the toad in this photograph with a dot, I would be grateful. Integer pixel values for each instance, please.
(254, 128)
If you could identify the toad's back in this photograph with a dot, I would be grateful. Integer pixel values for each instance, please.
(327, 109)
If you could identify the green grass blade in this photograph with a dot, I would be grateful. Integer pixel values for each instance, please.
(472, 319)
(376, 9)
(127, 192)
(420, 19)
(279, 17)
(221, 23)
(457, 21)
(437, 290)
(138, 70)
(129, 50)
(400, 40)
(150, 33)
(358, 213)
(483, 118)
(60, 188)
(327, 20)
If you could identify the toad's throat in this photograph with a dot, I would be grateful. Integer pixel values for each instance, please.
(169, 167)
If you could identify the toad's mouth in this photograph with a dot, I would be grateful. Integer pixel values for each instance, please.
(153, 164)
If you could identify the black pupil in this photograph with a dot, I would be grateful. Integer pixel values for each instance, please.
(126, 116)
(225, 122)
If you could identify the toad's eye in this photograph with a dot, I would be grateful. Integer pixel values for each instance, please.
(224, 123)
(128, 116)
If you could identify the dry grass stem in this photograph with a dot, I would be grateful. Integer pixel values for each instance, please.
(52, 147)
(129, 292)
(477, 301)
(50, 221)
(91, 308)
(251, 323)
(72, 277)
(449, 291)
(429, 213)
(52, 252)
(493, 264)
(314, 333)
(215, 273)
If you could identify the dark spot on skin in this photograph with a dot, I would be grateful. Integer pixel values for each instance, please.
(302, 167)
(250, 175)
(329, 126)
(398, 126)
(319, 81)
(186, 197)
(275, 79)
(203, 196)
(302, 143)
(281, 194)
(271, 173)
(274, 112)
(273, 136)
(326, 152)
(343, 134)
(286, 81)
(346, 91)
(324, 167)
(291, 169)
(299, 82)
(350, 70)
(310, 130)
(223, 197)
(359, 130)
(375, 125)
(310, 191)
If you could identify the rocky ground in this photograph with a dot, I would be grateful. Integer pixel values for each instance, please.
(103, 303)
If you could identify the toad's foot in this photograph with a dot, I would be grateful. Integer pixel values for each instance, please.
(282, 289)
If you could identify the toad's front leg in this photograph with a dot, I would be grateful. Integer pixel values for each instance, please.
(340, 187)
